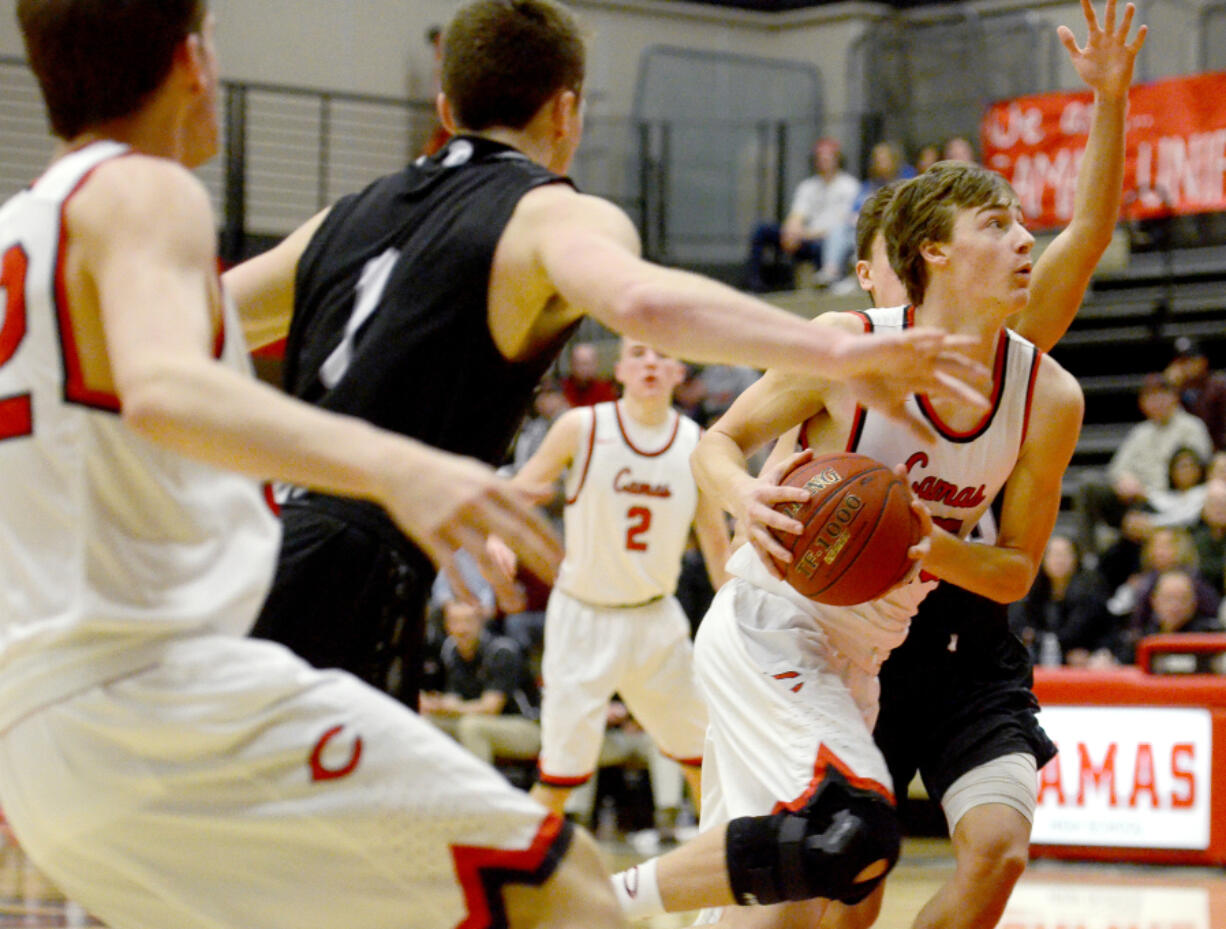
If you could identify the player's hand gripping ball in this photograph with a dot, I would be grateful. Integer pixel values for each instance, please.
(858, 527)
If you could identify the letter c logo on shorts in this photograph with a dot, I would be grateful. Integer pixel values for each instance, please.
(319, 772)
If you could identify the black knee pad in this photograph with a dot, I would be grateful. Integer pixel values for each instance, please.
(816, 851)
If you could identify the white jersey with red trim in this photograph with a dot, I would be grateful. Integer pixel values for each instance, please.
(630, 501)
(956, 475)
(109, 544)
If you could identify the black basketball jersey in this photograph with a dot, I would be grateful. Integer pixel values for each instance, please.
(390, 310)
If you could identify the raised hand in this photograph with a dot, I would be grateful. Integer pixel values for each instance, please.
(1106, 61)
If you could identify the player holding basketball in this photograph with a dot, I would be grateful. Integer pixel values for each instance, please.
(432, 302)
(935, 693)
(795, 682)
(613, 624)
(160, 767)
(956, 698)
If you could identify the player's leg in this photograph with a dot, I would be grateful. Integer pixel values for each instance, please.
(840, 915)
(576, 896)
(584, 654)
(990, 810)
(660, 689)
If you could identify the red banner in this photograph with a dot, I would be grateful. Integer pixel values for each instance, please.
(1176, 144)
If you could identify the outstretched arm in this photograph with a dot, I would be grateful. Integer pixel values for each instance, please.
(1063, 271)
(588, 250)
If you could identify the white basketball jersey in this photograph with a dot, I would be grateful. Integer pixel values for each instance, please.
(956, 475)
(108, 543)
(629, 506)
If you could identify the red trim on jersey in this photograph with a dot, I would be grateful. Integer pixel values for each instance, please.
(75, 390)
(998, 389)
(1034, 377)
(908, 316)
(864, 318)
(827, 759)
(587, 462)
(688, 762)
(270, 498)
(617, 412)
(482, 872)
(16, 411)
(857, 428)
(550, 780)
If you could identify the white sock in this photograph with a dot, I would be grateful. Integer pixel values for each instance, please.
(638, 891)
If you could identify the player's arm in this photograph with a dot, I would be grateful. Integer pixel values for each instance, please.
(263, 286)
(143, 248)
(557, 450)
(588, 250)
(1005, 571)
(1062, 272)
(711, 530)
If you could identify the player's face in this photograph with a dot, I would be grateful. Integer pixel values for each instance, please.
(989, 255)
(643, 372)
(878, 278)
(203, 135)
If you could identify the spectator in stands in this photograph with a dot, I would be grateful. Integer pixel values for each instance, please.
(927, 157)
(816, 228)
(885, 165)
(1201, 391)
(1065, 612)
(1217, 467)
(1180, 504)
(1176, 607)
(584, 385)
(1209, 536)
(548, 404)
(721, 385)
(489, 703)
(958, 148)
(1140, 467)
(1167, 550)
(1122, 558)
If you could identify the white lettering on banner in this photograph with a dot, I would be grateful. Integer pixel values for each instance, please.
(1134, 777)
(1037, 904)
(1033, 175)
(1025, 126)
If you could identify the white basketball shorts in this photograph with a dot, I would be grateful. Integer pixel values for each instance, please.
(231, 785)
(642, 653)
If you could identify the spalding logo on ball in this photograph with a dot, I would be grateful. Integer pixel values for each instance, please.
(858, 528)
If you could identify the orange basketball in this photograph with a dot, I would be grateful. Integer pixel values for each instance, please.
(858, 527)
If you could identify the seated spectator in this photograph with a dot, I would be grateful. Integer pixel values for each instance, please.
(1209, 536)
(584, 385)
(1201, 391)
(927, 157)
(885, 164)
(1067, 602)
(958, 148)
(489, 703)
(1175, 606)
(817, 225)
(548, 403)
(1140, 467)
(1122, 559)
(1167, 550)
(1180, 504)
(1217, 467)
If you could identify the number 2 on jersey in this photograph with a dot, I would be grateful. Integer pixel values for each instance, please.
(640, 522)
(16, 418)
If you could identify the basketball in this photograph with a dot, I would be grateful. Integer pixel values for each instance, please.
(858, 527)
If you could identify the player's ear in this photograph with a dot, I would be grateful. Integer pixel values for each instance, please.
(864, 274)
(445, 115)
(935, 253)
(563, 111)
